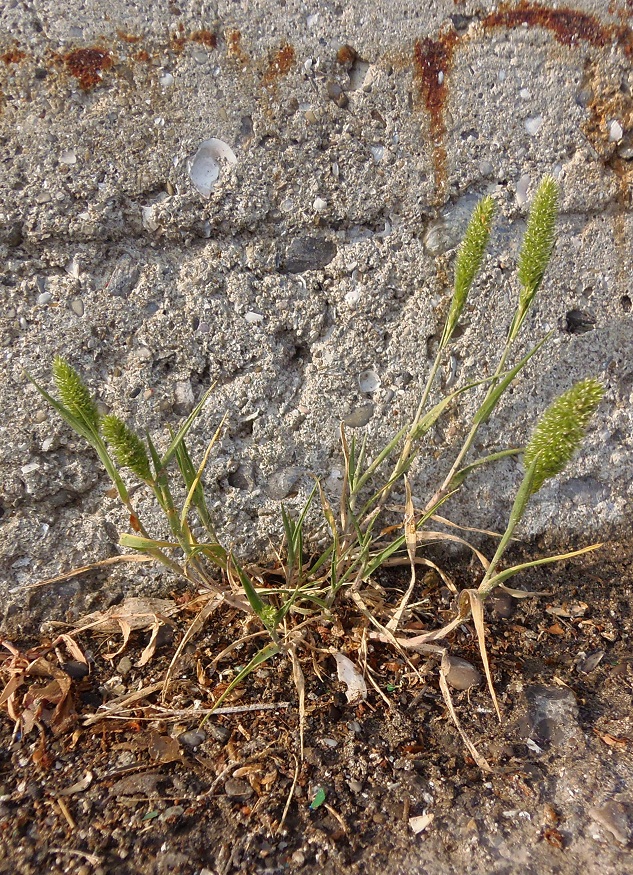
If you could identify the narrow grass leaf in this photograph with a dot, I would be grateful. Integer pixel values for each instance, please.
(252, 595)
(494, 394)
(477, 610)
(196, 492)
(184, 429)
(460, 476)
(136, 542)
(534, 563)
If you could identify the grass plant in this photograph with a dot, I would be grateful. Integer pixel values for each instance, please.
(303, 587)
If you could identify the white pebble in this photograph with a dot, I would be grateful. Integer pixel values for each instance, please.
(525, 94)
(166, 80)
(377, 153)
(368, 381)
(533, 125)
(522, 188)
(44, 298)
(253, 317)
(319, 205)
(68, 157)
(615, 131)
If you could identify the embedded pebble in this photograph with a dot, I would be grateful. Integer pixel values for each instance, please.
(377, 153)
(282, 483)
(462, 675)
(552, 717)
(75, 669)
(124, 666)
(368, 381)
(44, 298)
(193, 738)
(68, 157)
(359, 417)
(204, 167)
(183, 395)
(309, 253)
(589, 663)
(319, 205)
(447, 230)
(502, 604)
(173, 811)
(123, 278)
(77, 306)
(235, 788)
(615, 131)
(522, 189)
(614, 818)
(166, 80)
(486, 168)
(533, 125)
(219, 733)
(253, 318)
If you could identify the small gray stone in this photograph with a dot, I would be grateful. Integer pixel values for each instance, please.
(359, 417)
(193, 738)
(77, 306)
(462, 675)
(235, 788)
(614, 817)
(172, 812)
(123, 278)
(124, 666)
(282, 483)
(219, 733)
(309, 253)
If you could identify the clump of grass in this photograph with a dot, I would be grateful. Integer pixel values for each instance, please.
(305, 588)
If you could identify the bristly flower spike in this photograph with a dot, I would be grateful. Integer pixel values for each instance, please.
(560, 430)
(128, 448)
(74, 394)
(538, 242)
(469, 259)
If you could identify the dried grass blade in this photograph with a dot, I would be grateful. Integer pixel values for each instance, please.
(150, 649)
(299, 679)
(111, 560)
(446, 694)
(411, 540)
(289, 799)
(477, 610)
(120, 703)
(428, 536)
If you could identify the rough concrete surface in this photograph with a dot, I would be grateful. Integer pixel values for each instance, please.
(363, 133)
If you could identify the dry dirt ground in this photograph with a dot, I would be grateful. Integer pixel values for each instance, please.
(140, 788)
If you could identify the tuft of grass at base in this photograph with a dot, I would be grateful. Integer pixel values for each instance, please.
(291, 599)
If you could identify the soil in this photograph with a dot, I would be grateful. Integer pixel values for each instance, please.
(148, 791)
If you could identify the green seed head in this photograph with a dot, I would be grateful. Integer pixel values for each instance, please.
(469, 259)
(128, 448)
(538, 242)
(74, 393)
(561, 429)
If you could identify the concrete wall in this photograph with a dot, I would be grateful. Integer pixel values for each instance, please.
(364, 134)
